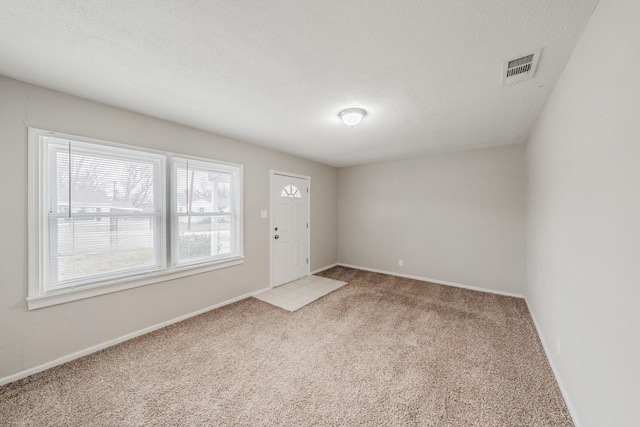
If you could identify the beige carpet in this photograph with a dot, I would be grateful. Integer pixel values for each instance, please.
(379, 351)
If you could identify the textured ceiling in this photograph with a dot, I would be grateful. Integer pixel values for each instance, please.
(276, 73)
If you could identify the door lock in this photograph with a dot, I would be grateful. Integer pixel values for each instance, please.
(276, 237)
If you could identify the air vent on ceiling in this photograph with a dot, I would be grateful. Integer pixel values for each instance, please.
(517, 70)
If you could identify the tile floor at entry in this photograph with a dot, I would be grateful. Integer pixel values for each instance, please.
(297, 294)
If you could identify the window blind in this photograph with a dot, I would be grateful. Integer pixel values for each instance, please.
(105, 210)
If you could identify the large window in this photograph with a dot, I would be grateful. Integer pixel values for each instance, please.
(106, 216)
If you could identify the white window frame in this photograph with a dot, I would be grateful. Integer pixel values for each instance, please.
(38, 297)
(48, 231)
(235, 212)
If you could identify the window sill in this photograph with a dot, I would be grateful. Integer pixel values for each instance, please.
(68, 295)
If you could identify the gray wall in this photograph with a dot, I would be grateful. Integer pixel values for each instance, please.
(456, 218)
(31, 338)
(583, 255)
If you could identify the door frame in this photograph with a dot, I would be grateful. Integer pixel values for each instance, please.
(272, 173)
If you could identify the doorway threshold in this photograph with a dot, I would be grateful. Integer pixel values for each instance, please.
(295, 295)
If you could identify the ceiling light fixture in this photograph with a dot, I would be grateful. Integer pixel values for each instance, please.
(352, 116)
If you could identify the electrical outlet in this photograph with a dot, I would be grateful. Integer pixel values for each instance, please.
(401, 262)
(558, 345)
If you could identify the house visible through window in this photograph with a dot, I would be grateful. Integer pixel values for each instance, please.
(207, 218)
(102, 213)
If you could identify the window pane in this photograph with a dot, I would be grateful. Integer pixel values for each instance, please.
(113, 184)
(290, 190)
(201, 190)
(87, 247)
(203, 237)
(59, 185)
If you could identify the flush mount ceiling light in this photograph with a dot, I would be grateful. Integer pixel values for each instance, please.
(352, 116)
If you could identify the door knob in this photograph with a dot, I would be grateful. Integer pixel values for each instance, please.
(276, 237)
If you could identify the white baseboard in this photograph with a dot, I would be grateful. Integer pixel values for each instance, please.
(439, 282)
(26, 372)
(545, 347)
(323, 269)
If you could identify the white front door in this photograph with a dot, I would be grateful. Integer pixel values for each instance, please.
(290, 228)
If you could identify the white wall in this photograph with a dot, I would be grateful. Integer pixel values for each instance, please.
(456, 217)
(583, 255)
(31, 338)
